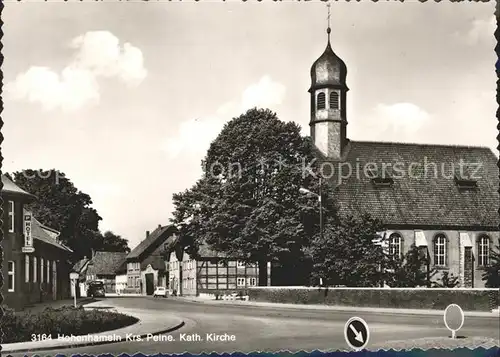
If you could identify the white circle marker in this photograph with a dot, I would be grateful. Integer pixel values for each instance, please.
(356, 333)
(453, 318)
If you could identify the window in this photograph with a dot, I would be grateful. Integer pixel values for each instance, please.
(321, 101)
(440, 250)
(12, 272)
(42, 276)
(241, 281)
(483, 251)
(334, 100)
(240, 264)
(395, 246)
(27, 268)
(11, 216)
(35, 272)
(252, 281)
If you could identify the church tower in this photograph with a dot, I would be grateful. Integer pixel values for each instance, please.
(328, 103)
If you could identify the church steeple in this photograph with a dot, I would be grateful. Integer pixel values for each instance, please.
(328, 102)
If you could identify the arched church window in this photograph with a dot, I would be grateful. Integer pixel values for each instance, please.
(396, 246)
(440, 250)
(483, 250)
(321, 101)
(334, 100)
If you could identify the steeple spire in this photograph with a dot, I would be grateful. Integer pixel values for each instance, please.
(328, 30)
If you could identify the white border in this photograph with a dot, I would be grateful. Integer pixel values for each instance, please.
(355, 318)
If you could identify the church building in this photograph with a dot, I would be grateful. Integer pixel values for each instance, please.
(442, 198)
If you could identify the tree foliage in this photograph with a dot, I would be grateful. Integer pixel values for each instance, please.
(60, 205)
(248, 204)
(446, 280)
(111, 242)
(346, 255)
(409, 272)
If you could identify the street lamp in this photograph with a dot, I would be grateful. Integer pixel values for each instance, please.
(308, 192)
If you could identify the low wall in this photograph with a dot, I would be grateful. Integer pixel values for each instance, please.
(424, 298)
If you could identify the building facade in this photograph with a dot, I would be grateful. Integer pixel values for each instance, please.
(36, 264)
(441, 198)
(145, 265)
(210, 274)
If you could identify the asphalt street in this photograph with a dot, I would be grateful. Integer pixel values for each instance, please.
(271, 329)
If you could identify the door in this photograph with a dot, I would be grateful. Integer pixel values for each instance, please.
(150, 284)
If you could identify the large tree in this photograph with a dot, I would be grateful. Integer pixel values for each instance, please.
(62, 206)
(346, 255)
(248, 203)
(111, 242)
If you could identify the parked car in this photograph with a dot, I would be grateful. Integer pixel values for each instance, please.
(160, 291)
(95, 289)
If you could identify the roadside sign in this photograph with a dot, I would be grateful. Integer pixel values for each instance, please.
(27, 249)
(28, 239)
(356, 333)
(453, 318)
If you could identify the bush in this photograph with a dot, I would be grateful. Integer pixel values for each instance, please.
(469, 300)
(67, 320)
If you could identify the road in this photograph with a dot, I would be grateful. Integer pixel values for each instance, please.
(271, 329)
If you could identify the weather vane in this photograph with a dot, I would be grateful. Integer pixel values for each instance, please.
(328, 6)
(328, 30)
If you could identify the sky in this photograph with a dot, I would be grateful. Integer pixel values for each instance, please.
(125, 97)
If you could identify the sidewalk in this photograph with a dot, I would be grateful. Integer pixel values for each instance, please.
(149, 325)
(494, 313)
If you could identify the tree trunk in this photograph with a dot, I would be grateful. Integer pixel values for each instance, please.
(262, 273)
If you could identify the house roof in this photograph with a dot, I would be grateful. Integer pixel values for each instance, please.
(11, 188)
(44, 234)
(81, 268)
(424, 198)
(106, 263)
(153, 241)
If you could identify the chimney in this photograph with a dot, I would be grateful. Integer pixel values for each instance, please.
(159, 226)
(147, 234)
(92, 253)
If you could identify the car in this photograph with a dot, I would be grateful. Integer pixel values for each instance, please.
(160, 291)
(96, 289)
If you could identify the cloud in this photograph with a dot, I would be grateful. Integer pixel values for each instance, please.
(98, 54)
(265, 93)
(481, 31)
(393, 122)
(195, 135)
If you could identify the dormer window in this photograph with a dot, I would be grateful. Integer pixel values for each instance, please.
(380, 177)
(465, 183)
(334, 100)
(321, 101)
(464, 180)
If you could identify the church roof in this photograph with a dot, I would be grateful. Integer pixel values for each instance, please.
(412, 196)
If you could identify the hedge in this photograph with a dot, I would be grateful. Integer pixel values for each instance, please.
(67, 320)
(469, 300)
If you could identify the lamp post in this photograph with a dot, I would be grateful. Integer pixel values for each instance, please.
(306, 191)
